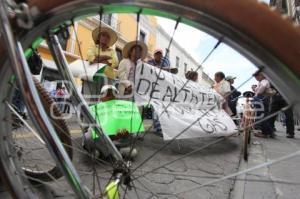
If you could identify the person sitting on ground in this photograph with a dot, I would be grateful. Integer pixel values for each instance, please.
(109, 92)
(223, 88)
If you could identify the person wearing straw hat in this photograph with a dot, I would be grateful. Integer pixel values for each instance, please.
(102, 52)
(132, 52)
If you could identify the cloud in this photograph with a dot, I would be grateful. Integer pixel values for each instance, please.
(186, 36)
(224, 58)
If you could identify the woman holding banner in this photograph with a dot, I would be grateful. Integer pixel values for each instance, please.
(132, 52)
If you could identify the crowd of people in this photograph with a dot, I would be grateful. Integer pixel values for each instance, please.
(103, 52)
(266, 103)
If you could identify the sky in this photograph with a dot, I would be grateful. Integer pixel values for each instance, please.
(224, 58)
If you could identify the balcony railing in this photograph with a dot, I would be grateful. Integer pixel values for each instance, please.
(109, 20)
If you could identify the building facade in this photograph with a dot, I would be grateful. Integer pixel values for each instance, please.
(125, 25)
(289, 7)
(179, 57)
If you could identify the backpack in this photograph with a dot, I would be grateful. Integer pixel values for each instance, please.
(35, 62)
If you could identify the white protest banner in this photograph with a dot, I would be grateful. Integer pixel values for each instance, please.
(194, 123)
(168, 87)
(194, 104)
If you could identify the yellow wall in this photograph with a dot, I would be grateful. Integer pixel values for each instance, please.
(127, 27)
(85, 40)
(45, 53)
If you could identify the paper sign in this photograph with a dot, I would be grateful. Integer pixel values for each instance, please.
(118, 114)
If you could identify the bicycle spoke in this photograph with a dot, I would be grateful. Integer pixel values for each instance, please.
(212, 143)
(218, 176)
(148, 189)
(133, 140)
(185, 155)
(160, 70)
(186, 82)
(267, 117)
(81, 54)
(135, 190)
(180, 133)
(96, 175)
(125, 192)
(56, 186)
(26, 124)
(266, 164)
(90, 172)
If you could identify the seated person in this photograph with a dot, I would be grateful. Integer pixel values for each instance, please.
(109, 92)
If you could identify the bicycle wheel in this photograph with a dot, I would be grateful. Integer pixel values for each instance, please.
(245, 144)
(218, 18)
(62, 131)
(25, 142)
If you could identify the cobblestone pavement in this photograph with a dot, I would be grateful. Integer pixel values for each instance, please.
(281, 180)
(208, 164)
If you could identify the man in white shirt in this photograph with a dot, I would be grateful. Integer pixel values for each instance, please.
(261, 104)
(223, 88)
(263, 85)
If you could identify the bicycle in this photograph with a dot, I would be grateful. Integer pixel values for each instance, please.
(226, 19)
(247, 122)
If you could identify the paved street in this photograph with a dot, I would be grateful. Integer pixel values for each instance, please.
(281, 180)
(278, 181)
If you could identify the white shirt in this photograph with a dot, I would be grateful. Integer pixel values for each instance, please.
(126, 74)
(261, 87)
(223, 87)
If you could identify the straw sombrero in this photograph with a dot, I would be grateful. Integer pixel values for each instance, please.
(129, 45)
(113, 35)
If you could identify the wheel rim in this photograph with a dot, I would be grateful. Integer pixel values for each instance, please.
(271, 59)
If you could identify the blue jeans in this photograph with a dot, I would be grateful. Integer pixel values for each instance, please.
(156, 123)
(261, 105)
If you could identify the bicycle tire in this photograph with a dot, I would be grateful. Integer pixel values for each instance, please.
(261, 29)
(245, 144)
(236, 14)
(228, 10)
(62, 130)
